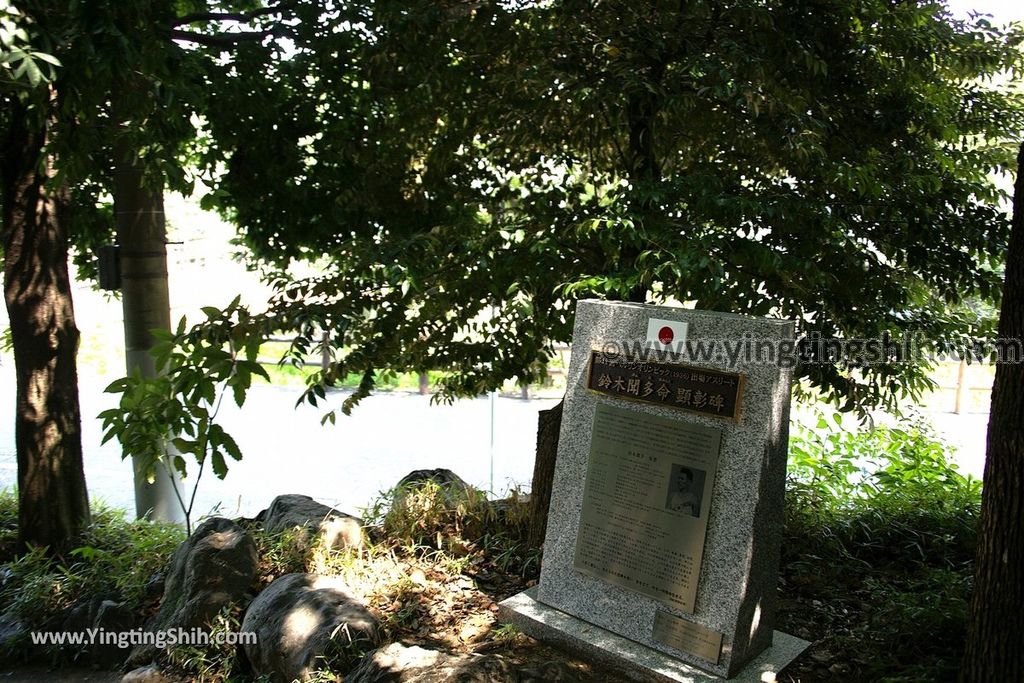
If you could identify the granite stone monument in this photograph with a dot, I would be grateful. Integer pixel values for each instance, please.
(662, 547)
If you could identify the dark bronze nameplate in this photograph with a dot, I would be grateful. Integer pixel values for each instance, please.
(698, 390)
(687, 636)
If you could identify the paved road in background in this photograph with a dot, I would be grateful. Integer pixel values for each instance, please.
(287, 451)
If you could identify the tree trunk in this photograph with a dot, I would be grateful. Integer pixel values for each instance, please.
(53, 505)
(645, 170)
(145, 299)
(549, 423)
(995, 627)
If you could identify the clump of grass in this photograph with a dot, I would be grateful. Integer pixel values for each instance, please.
(507, 634)
(284, 552)
(214, 663)
(429, 514)
(8, 524)
(460, 521)
(116, 557)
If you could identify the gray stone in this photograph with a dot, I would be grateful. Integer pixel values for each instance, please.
(452, 486)
(111, 617)
(635, 662)
(322, 524)
(154, 588)
(300, 617)
(737, 579)
(213, 568)
(11, 632)
(98, 615)
(397, 663)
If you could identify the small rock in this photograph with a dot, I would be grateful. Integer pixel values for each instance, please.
(147, 674)
(331, 528)
(298, 618)
(154, 588)
(101, 616)
(112, 617)
(11, 631)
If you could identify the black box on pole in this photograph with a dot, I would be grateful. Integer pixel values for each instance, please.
(108, 263)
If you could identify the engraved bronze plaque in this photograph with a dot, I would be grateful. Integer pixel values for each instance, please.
(694, 389)
(687, 636)
(646, 503)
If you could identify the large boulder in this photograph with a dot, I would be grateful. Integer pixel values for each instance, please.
(397, 663)
(318, 523)
(300, 617)
(213, 568)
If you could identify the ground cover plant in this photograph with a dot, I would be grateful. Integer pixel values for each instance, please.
(116, 558)
(876, 566)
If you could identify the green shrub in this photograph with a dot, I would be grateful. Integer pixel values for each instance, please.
(883, 492)
(429, 514)
(216, 662)
(8, 524)
(283, 552)
(116, 557)
(878, 548)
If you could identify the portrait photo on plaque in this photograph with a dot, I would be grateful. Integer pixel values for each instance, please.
(685, 490)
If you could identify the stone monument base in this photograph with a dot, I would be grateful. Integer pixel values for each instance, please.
(635, 661)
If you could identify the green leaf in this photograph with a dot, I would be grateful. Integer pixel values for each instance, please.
(220, 468)
(230, 446)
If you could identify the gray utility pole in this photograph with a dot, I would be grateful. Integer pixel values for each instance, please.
(142, 239)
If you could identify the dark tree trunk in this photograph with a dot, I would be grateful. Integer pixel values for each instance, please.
(645, 170)
(53, 505)
(995, 627)
(549, 423)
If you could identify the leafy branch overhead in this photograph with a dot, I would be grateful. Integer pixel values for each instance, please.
(469, 171)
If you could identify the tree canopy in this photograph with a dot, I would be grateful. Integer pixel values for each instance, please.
(468, 171)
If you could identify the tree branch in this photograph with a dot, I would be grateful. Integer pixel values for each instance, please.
(232, 16)
(226, 40)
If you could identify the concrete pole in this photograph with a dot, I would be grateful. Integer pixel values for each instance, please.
(142, 238)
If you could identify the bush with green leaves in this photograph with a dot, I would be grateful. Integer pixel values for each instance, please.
(880, 535)
(832, 468)
(217, 662)
(161, 420)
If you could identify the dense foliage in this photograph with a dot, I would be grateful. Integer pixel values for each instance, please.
(99, 75)
(878, 552)
(467, 172)
(117, 558)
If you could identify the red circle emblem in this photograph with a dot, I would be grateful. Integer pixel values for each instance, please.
(666, 335)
